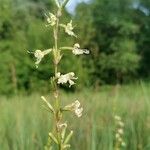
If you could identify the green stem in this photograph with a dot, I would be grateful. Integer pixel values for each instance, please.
(57, 102)
(56, 46)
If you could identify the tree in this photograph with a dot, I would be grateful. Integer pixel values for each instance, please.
(141, 16)
(21, 30)
(111, 35)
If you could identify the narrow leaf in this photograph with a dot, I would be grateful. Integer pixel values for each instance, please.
(68, 137)
(53, 138)
(57, 3)
(48, 104)
(65, 3)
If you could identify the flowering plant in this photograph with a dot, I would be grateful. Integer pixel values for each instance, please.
(119, 141)
(59, 136)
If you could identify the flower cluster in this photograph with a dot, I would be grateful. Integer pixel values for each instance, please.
(69, 28)
(69, 77)
(75, 107)
(77, 51)
(119, 132)
(40, 54)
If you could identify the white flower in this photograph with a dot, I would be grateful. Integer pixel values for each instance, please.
(123, 144)
(77, 51)
(78, 112)
(117, 135)
(58, 75)
(69, 77)
(40, 54)
(120, 139)
(51, 19)
(120, 131)
(69, 28)
(118, 118)
(75, 107)
(121, 124)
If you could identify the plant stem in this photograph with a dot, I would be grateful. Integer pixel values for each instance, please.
(57, 103)
(56, 46)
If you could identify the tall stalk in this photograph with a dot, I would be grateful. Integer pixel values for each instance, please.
(59, 137)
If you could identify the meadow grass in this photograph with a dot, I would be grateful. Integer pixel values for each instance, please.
(24, 123)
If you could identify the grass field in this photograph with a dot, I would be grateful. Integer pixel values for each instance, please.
(24, 124)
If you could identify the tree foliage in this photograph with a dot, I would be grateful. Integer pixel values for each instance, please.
(112, 35)
(117, 32)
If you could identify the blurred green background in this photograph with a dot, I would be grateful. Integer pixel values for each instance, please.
(113, 79)
(116, 31)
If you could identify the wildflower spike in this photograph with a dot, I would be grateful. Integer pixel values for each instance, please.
(119, 132)
(59, 137)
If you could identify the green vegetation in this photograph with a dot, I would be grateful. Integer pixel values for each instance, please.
(117, 33)
(24, 124)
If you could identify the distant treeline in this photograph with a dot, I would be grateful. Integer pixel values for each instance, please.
(116, 31)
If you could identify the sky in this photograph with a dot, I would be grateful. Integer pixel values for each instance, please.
(73, 3)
